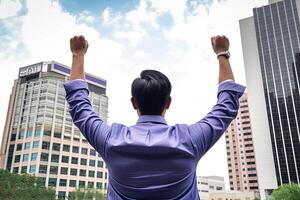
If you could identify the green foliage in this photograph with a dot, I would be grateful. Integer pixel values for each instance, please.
(287, 192)
(86, 194)
(25, 187)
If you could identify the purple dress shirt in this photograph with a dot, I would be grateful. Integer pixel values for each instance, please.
(152, 160)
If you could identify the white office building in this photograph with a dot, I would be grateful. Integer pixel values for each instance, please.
(39, 135)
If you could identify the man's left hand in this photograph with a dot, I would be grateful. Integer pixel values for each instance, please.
(78, 45)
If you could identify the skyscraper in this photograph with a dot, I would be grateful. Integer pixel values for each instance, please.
(240, 151)
(39, 136)
(270, 41)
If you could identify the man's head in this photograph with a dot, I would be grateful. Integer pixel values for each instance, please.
(151, 93)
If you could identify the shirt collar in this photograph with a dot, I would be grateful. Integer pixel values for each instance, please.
(152, 118)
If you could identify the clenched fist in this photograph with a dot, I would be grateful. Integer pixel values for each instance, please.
(78, 45)
(219, 43)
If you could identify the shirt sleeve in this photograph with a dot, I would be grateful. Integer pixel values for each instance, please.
(207, 131)
(94, 129)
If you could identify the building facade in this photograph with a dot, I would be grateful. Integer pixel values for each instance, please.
(208, 184)
(39, 136)
(240, 151)
(231, 195)
(271, 46)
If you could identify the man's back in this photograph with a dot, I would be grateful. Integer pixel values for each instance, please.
(152, 160)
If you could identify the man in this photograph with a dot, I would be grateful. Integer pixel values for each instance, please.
(152, 160)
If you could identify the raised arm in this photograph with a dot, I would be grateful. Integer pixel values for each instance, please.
(78, 46)
(220, 45)
(89, 123)
(206, 132)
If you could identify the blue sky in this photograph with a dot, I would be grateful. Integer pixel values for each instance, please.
(96, 6)
(125, 37)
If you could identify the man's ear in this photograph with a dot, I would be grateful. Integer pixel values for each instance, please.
(133, 103)
(168, 103)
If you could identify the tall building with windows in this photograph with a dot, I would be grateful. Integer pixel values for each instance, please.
(39, 136)
(240, 151)
(271, 46)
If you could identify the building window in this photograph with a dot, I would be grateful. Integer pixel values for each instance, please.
(56, 147)
(43, 169)
(74, 160)
(65, 159)
(84, 151)
(13, 137)
(92, 152)
(57, 134)
(99, 174)
(92, 163)
(52, 182)
(25, 157)
(81, 184)
(32, 168)
(75, 149)
(91, 173)
(45, 145)
(83, 161)
(72, 183)
(16, 170)
(27, 145)
(63, 182)
(219, 188)
(53, 170)
(17, 158)
(37, 132)
(33, 156)
(73, 172)
(252, 181)
(47, 130)
(90, 184)
(67, 137)
(66, 148)
(61, 194)
(24, 169)
(44, 156)
(29, 134)
(99, 185)
(100, 163)
(19, 147)
(63, 170)
(82, 172)
(21, 135)
(36, 144)
(55, 158)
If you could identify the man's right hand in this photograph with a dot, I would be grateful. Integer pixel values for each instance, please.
(220, 44)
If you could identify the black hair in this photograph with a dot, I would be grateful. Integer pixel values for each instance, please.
(151, 92)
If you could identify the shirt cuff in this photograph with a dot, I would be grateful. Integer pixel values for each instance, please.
(73, 85)
(231, 86)
(226, 81)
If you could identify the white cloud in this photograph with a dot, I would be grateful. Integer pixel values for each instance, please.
(85, 17)
(9, 8)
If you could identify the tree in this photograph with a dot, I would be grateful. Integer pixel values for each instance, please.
(87, 194)
(289, 191)
(25, 187)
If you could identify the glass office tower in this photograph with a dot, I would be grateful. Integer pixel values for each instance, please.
(39, 136)
(270, 41)
(278, 32)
